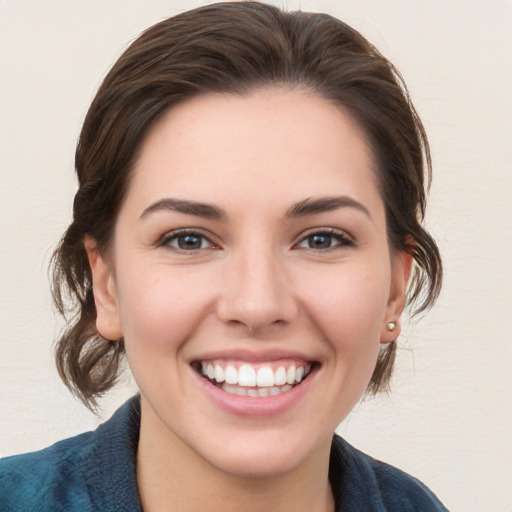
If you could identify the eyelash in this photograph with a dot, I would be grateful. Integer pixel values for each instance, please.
(340, 237)
(168, 238)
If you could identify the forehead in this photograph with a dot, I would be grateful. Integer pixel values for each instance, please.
(289, 143)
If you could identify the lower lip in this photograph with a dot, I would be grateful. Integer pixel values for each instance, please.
(245, 406)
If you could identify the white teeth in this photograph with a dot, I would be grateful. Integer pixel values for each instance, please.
(241, 391)
(255, 392)
(263, 392)
(265, 377)
(280, 376)
(219, 373)
(231, 375)
(229, 389)
(290, 375)
(246, 376)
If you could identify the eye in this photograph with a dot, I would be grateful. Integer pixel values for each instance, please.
(325, 239)
(186, 241)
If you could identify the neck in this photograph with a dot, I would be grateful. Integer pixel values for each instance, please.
(173, 477)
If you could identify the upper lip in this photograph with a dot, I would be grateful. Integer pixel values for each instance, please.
(254, 356)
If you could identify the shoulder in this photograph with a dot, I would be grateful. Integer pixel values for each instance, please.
(401, 491)
(377, 485)
(54, 477)
(89, 472)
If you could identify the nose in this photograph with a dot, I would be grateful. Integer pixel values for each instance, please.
(257, 292)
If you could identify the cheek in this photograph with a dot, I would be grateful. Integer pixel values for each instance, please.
(160, 309)
(354, 299)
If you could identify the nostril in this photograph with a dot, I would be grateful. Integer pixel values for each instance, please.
(254, 317)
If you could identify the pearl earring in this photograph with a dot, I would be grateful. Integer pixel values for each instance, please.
(390, 326)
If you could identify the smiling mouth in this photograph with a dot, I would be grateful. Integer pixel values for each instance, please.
(255, 381)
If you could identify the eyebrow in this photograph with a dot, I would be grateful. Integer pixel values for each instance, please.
(204, 210)
(312, 206)
(303, 208)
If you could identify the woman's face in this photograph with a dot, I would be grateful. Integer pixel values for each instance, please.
(251, 278)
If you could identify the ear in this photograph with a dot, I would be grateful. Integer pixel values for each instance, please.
(400, 272)
(108, 321)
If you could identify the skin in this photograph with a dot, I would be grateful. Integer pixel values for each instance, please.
(255, 284)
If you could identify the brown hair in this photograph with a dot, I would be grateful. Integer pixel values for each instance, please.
(235, 48)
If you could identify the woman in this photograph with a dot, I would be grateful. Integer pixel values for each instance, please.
(247, 225)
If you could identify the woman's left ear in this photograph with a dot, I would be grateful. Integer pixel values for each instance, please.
(400, 273)
(108, 322)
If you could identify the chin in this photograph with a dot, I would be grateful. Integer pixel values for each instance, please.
(264, 454)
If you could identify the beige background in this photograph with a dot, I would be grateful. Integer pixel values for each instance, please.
(448, 420)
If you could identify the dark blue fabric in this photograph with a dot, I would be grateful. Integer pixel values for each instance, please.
(361, 483)
(95, 471)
